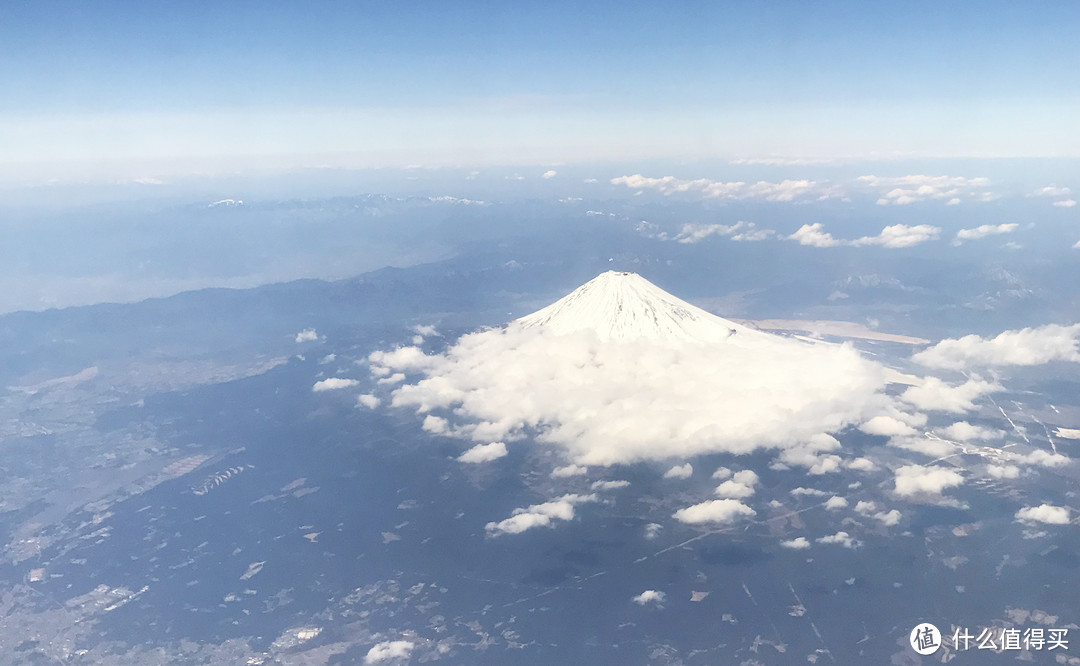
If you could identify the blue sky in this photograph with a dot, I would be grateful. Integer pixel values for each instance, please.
(164, 87)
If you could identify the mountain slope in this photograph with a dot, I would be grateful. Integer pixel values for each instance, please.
(626, 306)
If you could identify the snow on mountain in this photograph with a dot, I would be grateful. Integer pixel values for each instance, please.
(626, 306)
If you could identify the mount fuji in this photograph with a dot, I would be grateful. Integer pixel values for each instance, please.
(625, 306)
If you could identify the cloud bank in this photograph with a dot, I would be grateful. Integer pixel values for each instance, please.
(1029, 346)
(623, 401)
(893, 236)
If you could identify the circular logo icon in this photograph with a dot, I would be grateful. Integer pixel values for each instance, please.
(925, 638)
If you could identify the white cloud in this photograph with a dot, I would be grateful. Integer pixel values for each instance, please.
(482, 453)
(902, 190)
(551, 173)
(1044, 513)
(965, 432)
(569, 470)
(870, 510)
(368, 400)
(740, 231)
(1044, 459)
(538, 515)
(333, 383)
(788, 190)
(886, 426)
(842, 538)
(893, 236)
(652, 530)
(811, 454)
(618, 401)
(610, 485)
(307, 335)
(680, 472)
(888, 518)
(798, 543)
(387, 651)
(861, 464)
(935, 394)
(714, 511)
(649, 597)
(900, 235)
(1051, 191)
(436, 425)
(734, 489)
(983, 231)
(1029, 346)
(865, 508)
(721, 473)
(1067, 203)
(814, 235)
(425, 330)
(918, 480)
(836, 503)
(813, 492)
(1003, 471)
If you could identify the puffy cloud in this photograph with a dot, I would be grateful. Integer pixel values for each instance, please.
(740, 231)
(842, 538)
(680, 472)
(811, 454)
(1029, 346)
(965, 432)
(403, 359)
(983, 231)
(734, 489)
(935, 394)
(813, 492)
(814, 235)
(436, 425)
(333, 383)
(721, 473)
(836, 503)
(714, 511)
(482, 453)
(610, 485)
(869, 509)
(307, 335)
(550, 173)
(902, 190)
(1003, 471)
(1044, 513)
(893, 236)
(865, 508)
(368, 400)
(888, 518)
(649, 597)
(652, 530)
(538, 515)
(886, 426)
(1044, 459)
(861, 464)
(425, 330)
(569, 470)
(788, 190)
(387, 651)
(900, 235)
(918, 480)
(798, 543)
(618, 401)
(1067, 203)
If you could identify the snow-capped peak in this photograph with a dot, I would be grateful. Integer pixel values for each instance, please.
(625, 306)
